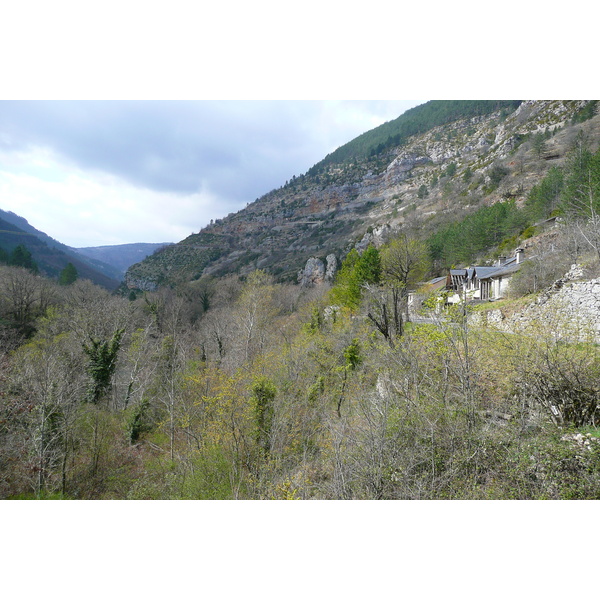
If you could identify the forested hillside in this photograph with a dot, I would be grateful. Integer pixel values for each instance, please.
(50, 256)
(414, 121)
(240, 384)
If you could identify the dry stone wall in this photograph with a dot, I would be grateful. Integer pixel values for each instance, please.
(570, 308)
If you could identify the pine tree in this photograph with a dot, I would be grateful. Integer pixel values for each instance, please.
(21, 257)
(68, 275)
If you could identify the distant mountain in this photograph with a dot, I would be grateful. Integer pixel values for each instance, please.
(434, 165)
(105, 269)
(121, 256)
(23, 225)
(52, 256)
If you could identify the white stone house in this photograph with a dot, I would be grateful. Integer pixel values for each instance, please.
(484, 283)
(473, 284)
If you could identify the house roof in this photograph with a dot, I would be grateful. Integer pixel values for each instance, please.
(508, 267)
(506, 270)
(486, 272)
(545, 221)
(435, 284)
(436, 280)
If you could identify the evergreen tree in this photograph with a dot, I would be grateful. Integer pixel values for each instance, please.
(102, 364)
(68, 275)
(263, 395)
(544, 197)
(21, 257)
(581, 193)
(368, 268)
(538, 144)
(450, 170)
(356, 271)
(352, 355)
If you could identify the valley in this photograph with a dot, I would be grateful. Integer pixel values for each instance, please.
(280, 353)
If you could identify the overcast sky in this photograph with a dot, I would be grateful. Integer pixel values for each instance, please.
(92, 173)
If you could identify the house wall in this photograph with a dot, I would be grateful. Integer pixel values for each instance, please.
(501, 286)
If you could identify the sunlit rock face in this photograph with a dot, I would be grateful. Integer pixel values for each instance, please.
(313, 273)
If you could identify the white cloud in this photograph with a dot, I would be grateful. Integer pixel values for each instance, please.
(89, 209)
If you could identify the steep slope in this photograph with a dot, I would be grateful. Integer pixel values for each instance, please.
(108, 271)
(460, 158)
(414, 121)
(51, 259)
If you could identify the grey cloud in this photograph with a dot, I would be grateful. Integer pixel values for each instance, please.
(158, 145)
(238, 150)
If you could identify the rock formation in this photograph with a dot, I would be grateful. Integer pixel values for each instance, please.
(313, 273)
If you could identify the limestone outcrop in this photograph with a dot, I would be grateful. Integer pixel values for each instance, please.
(331, 267)
(316, 271)
(140, 283)
(313, 273)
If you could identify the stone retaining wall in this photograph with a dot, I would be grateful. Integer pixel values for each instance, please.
(567, 309)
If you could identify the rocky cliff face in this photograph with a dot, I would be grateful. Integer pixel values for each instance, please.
(432, 178)
(317, 271)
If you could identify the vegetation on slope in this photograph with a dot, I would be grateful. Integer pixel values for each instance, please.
(50, 260)
(419, 119)
(264, 393)
(571, 192)
(248, 388)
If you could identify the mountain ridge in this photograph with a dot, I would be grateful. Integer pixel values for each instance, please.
(434, 177)
(106, 270)
(51, 259)
(112, 261)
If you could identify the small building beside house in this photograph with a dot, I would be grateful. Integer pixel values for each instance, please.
(435, 286)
